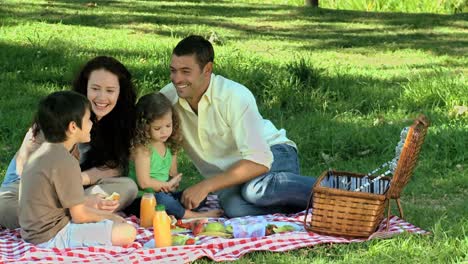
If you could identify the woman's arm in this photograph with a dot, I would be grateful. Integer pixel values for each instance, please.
(141, 157)
(30, 144)
(91, 176)
(85, 180)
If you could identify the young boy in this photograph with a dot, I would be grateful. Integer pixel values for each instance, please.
(52, 211)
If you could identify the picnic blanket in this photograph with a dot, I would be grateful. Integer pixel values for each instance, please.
(15, 250)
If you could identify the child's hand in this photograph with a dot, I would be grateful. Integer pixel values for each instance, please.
(173, 184)
(98, 201)
(166, 187)
(117, 219)
(175, 181)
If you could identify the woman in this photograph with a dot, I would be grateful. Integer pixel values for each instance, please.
(108, 86)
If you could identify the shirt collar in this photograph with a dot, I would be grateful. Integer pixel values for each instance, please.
(209, 92)
(208, 95)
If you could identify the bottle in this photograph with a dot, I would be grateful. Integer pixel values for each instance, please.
(162, 227)
(148, 202)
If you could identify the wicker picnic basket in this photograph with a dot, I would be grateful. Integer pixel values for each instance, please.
(338, 209)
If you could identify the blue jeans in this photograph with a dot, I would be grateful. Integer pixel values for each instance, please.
(172, 203)
(9, 193)
(11, 174)
(281, 190)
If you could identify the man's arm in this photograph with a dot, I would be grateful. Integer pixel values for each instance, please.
(240, 172)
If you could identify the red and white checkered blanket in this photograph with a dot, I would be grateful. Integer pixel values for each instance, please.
(14, 250)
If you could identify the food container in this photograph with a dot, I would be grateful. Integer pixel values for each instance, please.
(247, 226)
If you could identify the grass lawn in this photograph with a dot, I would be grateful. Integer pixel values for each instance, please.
(343, 84)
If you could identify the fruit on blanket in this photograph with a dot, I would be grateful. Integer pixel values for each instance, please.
(179, 240)
(190, 241)
(178, 229)
(273, 229)
(216, 234)
(197, 227)
(269, 229)
(283, 229)
(214, 227)
(113, 197)
(180, 224)
(229, 229)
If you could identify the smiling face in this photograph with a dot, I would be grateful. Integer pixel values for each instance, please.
(161, 128)
(188, 78)
(103, 92)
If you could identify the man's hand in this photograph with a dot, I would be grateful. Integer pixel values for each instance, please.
(98, 201)
(194, 195)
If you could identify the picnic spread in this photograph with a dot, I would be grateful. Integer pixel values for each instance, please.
(344, 207)
(15, 250)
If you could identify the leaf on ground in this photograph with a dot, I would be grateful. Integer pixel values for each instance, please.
(326, 158)
(459, 110)
(364, 152)
(379, 121)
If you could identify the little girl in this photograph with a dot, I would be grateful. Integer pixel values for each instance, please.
(153, 164)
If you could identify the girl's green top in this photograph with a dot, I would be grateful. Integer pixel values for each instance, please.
(159, 169)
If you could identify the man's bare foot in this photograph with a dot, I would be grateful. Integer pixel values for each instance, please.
(211, 213)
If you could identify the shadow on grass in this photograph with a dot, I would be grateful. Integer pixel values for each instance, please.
(282, 93)
(321, 29)
(316, 131)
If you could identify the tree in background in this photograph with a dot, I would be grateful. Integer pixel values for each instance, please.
(313, 3)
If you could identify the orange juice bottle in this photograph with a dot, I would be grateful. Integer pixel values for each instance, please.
(162, 227)
(148, 202)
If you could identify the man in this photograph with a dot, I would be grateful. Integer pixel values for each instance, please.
(245, 159)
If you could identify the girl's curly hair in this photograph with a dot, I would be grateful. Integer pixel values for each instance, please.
(149, 108)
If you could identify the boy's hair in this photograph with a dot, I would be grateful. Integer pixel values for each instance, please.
(197, 45)
(57, 110)
(149, 108)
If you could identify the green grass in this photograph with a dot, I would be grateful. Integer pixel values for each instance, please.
(342, 82)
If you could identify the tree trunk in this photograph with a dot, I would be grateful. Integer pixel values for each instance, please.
(313, 3)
